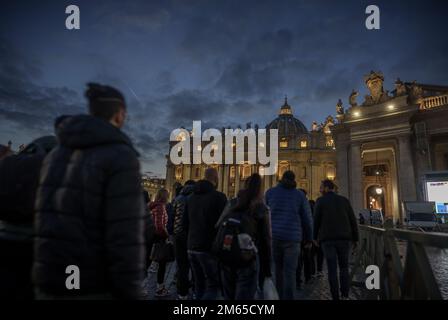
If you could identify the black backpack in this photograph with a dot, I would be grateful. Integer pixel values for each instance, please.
(234, 246)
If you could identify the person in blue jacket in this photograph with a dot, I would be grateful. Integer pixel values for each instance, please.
(291, 224)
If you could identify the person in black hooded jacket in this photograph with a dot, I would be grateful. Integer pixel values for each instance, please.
(202, 211)
(89, 205)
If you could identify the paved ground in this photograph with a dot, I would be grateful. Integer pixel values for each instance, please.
(317, 289)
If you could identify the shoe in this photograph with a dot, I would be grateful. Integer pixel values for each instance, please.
(162, 292)
(179, 297)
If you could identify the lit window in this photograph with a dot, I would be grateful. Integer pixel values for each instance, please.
(232, 172)
(179, 173)
(246, 171)
(303, 144)
(283, 166)
(283, 143)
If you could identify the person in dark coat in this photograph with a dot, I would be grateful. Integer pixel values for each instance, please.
(335, 227)
(19, 178)
(89, 207)
(202, 211)
(180, 240)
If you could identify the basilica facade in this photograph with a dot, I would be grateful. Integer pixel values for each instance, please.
(378, 152)
(310, 154)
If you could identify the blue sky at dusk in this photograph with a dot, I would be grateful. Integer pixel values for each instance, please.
(222, 62)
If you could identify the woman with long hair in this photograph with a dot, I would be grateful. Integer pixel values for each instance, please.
(159, 215)
(241, 283)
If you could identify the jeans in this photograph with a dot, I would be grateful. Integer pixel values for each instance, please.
(286, 256)
(305, 263)
(206, 275)
(240, 284)
(337, 253)
(183, 265)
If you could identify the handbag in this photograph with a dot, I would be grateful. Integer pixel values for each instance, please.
(162, 251)
(269, 290)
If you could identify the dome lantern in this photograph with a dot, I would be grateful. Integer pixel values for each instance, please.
(285, 108)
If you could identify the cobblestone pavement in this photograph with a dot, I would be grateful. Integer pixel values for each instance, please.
(316, 289)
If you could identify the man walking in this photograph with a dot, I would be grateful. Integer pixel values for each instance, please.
(291, 224)
(203, 209)
(335, 227)
(90, 213)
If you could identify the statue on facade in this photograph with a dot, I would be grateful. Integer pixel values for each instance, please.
(315, 126)
(416, 92)
(400, 88)
(339, 107)
(374, 82)
(329, 122)
(352, 98)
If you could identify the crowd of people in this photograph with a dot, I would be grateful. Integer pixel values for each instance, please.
(76, 199)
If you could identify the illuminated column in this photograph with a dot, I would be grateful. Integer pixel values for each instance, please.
(356, 191)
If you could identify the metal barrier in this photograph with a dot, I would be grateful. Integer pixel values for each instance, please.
(412, 278)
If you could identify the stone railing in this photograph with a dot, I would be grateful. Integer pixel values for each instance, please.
(409, 278)
(433, 102)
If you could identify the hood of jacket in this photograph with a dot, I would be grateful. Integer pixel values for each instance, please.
(85, 131)
(187, 190)
(203, 186)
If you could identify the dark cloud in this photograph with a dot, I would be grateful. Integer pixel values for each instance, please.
(222, 62)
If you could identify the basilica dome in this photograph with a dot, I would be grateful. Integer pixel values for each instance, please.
(287, 124)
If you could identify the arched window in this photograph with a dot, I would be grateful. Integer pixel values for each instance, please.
(246, 172)
(179, 172)
(282, 167)
(283, 143)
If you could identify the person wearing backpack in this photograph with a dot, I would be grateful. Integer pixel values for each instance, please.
(19, 178)
(291, 224)
(243, 242)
